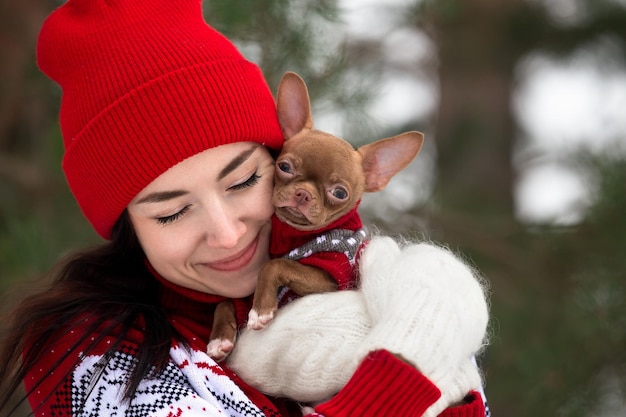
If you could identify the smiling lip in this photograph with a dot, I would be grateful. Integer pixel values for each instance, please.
(237, 261)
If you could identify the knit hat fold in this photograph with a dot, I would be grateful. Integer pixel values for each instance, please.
(146, 84)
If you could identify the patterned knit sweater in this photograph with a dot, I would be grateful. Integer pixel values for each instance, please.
(76, 383)
(334, 248)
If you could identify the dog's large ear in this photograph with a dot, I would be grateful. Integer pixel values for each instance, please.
(294, 108)
(386, 157)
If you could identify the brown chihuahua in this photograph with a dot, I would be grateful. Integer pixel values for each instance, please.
(316, 230)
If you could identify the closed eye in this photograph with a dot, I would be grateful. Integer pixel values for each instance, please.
(250, 182)
(172, 218)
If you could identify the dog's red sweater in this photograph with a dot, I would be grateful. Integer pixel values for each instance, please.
(285, 238)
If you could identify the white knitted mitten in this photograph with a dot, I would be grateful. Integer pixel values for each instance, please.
(307, 352)
(419, 301)
(427, 306)
(456, 384)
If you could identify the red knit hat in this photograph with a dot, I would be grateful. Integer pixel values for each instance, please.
(146, 84)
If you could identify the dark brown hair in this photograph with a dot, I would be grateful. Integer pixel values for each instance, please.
(109, 283)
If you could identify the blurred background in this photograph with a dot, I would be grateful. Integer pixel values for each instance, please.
(523, 103)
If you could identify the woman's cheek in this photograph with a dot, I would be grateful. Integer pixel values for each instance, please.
(267, 196)
(171, 243)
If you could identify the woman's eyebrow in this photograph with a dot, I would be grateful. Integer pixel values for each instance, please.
(236, 162)
(160, 196)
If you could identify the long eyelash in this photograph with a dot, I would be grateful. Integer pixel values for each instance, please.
(169, 219)
(253, 180)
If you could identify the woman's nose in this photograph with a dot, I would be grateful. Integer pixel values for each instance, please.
(224, 228)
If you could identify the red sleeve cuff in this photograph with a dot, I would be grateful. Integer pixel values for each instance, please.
(383, 385)
(473, 406)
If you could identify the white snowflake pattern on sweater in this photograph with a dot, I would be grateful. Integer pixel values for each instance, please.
(191, 385)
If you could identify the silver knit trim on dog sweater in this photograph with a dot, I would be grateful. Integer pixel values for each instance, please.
(343, 241)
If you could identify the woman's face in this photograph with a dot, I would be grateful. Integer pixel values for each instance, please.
(205, 223)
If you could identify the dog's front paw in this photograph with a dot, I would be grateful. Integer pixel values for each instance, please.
(258, 320)
(218, 349)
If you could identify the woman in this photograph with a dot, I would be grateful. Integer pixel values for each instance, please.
(168, 136)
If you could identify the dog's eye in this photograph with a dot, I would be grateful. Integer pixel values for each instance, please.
(284, 167)
(339, 192)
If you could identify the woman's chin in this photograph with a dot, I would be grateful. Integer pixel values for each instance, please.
(244, 288)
